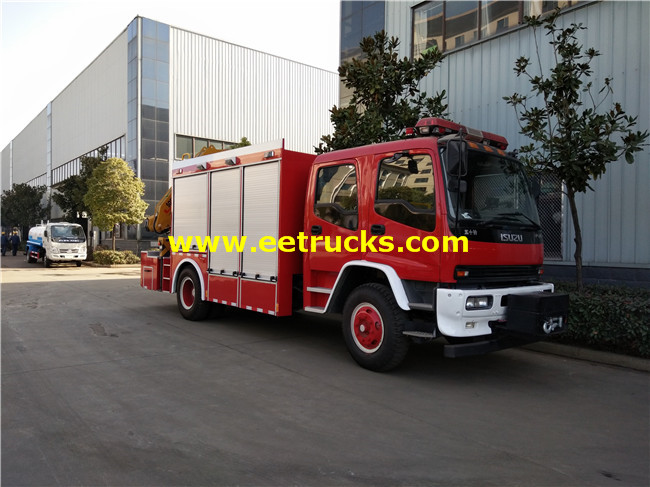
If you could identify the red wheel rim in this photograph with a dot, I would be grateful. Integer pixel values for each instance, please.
(367, 328)
(187, 293)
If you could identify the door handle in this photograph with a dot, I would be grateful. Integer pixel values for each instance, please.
(377, 229)
(316, 229)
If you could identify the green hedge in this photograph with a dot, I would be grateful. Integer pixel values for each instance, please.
(112, 257)
(615, 319)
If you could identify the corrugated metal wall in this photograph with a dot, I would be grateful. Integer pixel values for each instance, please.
(91, 111)
(30, 148)
(5, 168)
(225, 92)
(615, 219)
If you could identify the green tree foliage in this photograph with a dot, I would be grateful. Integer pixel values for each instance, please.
(573, 136)
(385, 95)
(114, 196)
(23, 207)
(69, 195)
(244, 142)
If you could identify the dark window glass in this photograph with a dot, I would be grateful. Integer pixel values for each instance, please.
(461, 23)
(148, 129)
(336, 196)
(540, 7)
(183, 146)
(405, 194)
(497, 17)
(148, 170)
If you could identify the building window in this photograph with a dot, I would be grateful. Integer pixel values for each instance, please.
(498, 16)
(461, 23)
(540, 7)
(428, 27)
(358, 20)
(453, 24)
(115, 148)
(191, 146)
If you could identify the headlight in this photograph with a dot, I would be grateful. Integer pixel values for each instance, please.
(478, 302)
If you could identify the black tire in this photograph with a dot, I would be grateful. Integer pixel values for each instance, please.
(188, 296)
(78, 263)
(373, 326)
(46, 262)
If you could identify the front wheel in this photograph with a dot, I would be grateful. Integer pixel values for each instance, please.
(188, 296)
(373, 326)
(46, 262)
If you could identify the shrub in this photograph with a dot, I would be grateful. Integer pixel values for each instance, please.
(113, 257)
(615, 319)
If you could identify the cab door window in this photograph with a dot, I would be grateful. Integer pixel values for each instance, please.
(336, 196)
(405, 191)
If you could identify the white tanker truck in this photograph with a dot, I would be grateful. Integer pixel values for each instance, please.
(56, 242)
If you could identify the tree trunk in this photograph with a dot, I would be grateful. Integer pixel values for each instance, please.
(113, 238)
(578, 237)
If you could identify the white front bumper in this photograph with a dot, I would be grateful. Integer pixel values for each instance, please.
(456, 321)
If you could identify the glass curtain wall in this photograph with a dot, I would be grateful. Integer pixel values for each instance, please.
(358, 20)
(148, 110)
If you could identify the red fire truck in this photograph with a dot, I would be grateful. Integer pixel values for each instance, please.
(436, 235)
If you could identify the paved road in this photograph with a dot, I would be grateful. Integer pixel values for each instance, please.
(105, 384)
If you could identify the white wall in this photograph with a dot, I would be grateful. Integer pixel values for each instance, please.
(30, 150)
(92, 109)
(225, 92)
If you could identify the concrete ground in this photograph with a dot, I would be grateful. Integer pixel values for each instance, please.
(103, 383)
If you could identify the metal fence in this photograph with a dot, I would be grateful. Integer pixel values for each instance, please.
(551, 214)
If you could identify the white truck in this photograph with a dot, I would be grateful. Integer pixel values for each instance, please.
(56, 242)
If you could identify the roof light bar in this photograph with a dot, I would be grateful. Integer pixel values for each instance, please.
(440, 127)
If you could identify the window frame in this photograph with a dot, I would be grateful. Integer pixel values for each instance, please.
(348, 214)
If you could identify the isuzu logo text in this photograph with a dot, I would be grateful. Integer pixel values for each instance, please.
(512, 237)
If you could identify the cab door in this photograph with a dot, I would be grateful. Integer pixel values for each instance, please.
(332, 227)
(405, 213)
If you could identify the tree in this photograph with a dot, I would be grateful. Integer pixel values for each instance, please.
(573, 137)
(385, 95)
(114, 196)
(69, 195)
(22, 206)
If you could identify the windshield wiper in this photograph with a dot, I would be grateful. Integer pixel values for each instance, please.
(510, 215)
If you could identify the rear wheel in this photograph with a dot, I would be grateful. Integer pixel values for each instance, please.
(188, 296)
(373, 326)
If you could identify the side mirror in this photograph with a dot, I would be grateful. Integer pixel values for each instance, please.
(457, 158)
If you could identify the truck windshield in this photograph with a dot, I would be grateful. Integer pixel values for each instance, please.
(494, 192)
(67, 232)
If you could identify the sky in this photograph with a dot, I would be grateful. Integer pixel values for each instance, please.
(44, 45)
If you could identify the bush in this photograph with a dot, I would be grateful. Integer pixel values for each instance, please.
(113, 257)
(615, 319)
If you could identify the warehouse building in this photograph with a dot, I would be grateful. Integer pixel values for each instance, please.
(158, 92)
(482, 40)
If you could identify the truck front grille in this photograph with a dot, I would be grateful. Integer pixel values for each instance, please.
(497, 274)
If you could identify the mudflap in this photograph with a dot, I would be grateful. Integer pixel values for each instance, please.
(531, 318)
